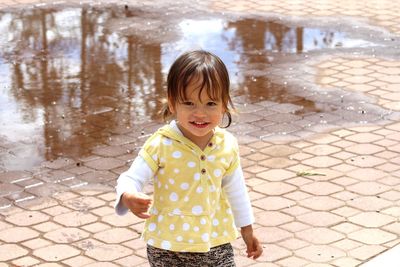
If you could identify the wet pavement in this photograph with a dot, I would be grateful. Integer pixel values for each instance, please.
(317, 90)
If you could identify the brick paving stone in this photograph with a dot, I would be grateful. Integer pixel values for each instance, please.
(369, 203)
(320, 218)
(372, 236)
(321, 188)
(66, 235)
(393, 228)
(297, 195)
(27, 218)
(57, 210)
(84, 203)
(347, 261)
(295, 210)
(46, 226)
(130, 260)
(347, 244)
(367, 174)
(78, 261)
(8, 189)
(25, 261)
(365, 161)
(319, 235)
(293, 244)
(320, 253)
(279, 150)
(274, 188)
(4, 225)
(276, 175)
(393, 211)
(36, 243)
(322, 150)
(281, 163)
(17, 234)
(11, 251)
(344, 181)
(14, 176)
(104, 163)
(322, 138)
(321, 203)
(321, 161)
(116, 235)
(56, 252)
(365, 251)
(371, 219)
(58, 163)
(108, 252)
(75, 219)
(364, 149)
(273, 203)
(102, 264)
(272, 218)
(392, 195)
(272, 234)
(273, 253)
(292, 261)
(121, 221)
(368, 188)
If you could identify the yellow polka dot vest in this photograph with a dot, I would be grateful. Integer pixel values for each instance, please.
(190, 212)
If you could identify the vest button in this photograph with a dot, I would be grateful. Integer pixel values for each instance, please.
(203, 171)
(202, 157)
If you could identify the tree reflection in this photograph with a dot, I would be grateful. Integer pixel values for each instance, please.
(81, 84)
(259, 44)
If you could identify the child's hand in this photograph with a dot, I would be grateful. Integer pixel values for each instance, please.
(254, 249)
(138, 203)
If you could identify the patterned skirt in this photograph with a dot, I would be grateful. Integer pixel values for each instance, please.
(220, 256)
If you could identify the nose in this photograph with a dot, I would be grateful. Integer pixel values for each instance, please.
(199, 111)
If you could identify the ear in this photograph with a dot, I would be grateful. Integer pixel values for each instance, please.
(171, 107)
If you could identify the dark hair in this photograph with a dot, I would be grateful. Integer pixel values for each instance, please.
(202, 65)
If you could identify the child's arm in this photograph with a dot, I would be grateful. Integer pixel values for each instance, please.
(129, 186)
(236, 192)
(138, 203)
(254, 249)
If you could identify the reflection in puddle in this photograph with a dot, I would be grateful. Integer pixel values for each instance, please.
(71, 78)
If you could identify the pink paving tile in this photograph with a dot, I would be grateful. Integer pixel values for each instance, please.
(321, 203)
(320, 253)
(17, 234)
(108, 252)
(273, 203)
(319, 235)
(274, 188)
(11, 251)
(272, 218)
(372, 236)
(320, 218)
(56, 253)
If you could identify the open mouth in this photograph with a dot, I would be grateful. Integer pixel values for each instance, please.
(199, 124)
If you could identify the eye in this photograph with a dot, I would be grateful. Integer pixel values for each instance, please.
(187, 103)
(211, 104)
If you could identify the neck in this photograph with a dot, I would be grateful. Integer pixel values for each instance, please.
(200, 141)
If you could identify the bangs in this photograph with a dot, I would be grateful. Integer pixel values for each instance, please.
(203, 79)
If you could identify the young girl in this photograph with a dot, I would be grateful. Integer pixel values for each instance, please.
(199, 192)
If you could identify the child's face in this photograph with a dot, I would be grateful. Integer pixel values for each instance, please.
(196, 117)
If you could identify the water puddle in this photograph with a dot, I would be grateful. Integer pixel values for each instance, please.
(71, 77)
